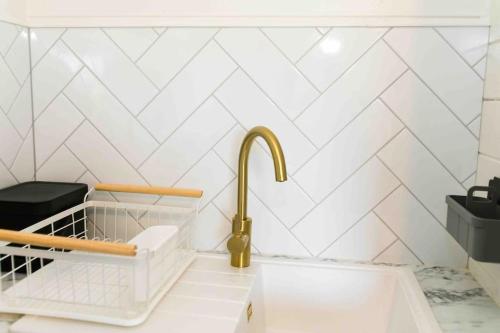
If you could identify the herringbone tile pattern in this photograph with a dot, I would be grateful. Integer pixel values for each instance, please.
(377, 124)
(16, 135)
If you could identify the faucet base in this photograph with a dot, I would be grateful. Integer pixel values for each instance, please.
(239, 243)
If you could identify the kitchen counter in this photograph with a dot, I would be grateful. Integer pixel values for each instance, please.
(459, 304)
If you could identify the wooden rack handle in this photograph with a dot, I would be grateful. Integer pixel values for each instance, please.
(180, 192)
(67, 243)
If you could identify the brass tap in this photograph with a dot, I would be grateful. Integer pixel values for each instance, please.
(239, 243)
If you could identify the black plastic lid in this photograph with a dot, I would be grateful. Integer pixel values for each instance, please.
(40, 198)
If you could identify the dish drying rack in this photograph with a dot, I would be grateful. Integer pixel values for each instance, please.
(100, 273)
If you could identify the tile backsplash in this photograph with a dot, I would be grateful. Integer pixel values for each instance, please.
(377, 126)
(16, 118)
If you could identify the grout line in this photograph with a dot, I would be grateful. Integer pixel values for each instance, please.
(356, 222)
(456, 52)
(59, 38)
(412, 193)
(349, 176)
(180, 70)
(33, 131)
(402, 242)
(316, 43)
(341, 75)
(423, 144)
(289, 60)
(158, 36)
(387, 247)
(9, 47)
(340, 131)
(266, 95)
(482, 58)
(473, 120)
(128, 57)
(196, 109)
(84, 66)
(9, 171)
(429, 87)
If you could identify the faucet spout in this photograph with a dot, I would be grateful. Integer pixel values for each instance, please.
(239, 243)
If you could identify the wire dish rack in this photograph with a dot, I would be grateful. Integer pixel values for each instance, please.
(119, 261)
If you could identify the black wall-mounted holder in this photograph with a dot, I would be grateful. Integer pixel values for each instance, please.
(475, 221)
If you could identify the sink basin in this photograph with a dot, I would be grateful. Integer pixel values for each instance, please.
(321, 298)
(275, 295)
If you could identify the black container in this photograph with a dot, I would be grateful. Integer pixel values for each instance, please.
(24, 204)
(475, 222)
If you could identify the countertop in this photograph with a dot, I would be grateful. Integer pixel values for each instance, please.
(459, 304)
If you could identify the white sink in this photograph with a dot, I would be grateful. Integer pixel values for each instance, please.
(286, 296)
(325, 298)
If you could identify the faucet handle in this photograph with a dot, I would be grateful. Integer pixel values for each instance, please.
(238, 243)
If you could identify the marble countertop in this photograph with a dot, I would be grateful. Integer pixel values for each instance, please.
(459, 303)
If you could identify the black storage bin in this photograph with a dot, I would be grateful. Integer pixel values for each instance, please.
(475, 222)
(24, 204)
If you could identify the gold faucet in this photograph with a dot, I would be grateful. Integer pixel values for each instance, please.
(239, 243)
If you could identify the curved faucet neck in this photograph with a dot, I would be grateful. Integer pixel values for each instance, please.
(278, 159)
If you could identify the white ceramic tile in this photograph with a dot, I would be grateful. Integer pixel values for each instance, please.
(447, 74)
(20, 113)
(6, 178)
(252, 108)
(480, 68)
(9, 84)
(490, 134)
(492, 80)
(54, 126)
(110, 117)
(416, 227)
(269, 235)
(470, 42)
(398, 253)
(323, 30)
(100, 157)
(487, 169)
(210, 174)
(338, 50)
(355, 145)
(421, 173)
(18, 57)
(210, 228)
(159, 31)
(8, 33)
(23, 167)
(269, 68)
(133, 41)
(293, 42)
(62, 166)
(116, 71)
(349, 203)
(52, 74)
(188, 144)
(344, 100)
(445, 136)
(475, 126)
(10, 139)
(286, 199)
(364, 241)
(42, 39)
(172, 51)
(187, 91)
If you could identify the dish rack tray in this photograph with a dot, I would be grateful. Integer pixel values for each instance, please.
(98, 274)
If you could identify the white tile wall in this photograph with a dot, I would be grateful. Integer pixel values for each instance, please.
(377, 124)
(16, 117)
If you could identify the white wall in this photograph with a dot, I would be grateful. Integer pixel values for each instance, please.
(16, 148)
(489, 158)
(377, 125)
(255, 13)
